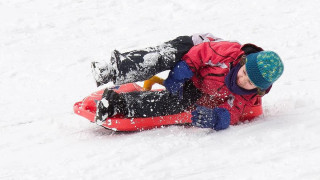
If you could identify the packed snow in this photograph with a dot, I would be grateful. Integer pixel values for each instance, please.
(45, 52)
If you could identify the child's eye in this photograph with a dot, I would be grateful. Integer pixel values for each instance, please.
(244, 72)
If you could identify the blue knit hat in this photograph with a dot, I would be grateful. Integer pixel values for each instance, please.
(264, 68)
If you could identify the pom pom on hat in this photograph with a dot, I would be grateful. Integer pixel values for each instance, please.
(264, 68)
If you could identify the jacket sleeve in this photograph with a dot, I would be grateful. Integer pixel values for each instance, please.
(235, 108)
(216, 54)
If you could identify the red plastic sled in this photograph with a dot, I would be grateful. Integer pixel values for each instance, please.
(87, 109)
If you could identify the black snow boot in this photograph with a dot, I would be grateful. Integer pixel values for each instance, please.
(104, 73)
(111, 104)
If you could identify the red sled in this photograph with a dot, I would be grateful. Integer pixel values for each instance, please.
(87, 108)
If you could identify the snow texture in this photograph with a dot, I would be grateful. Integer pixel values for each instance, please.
(46, 48)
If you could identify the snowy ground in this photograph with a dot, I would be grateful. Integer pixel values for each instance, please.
(45, 52)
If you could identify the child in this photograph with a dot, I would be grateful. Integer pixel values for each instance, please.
(215, 79)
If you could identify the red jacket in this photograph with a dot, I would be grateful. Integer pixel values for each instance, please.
(211, 62)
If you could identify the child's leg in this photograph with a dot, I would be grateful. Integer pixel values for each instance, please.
(145, 103)
(139, 65)
(152, 104)
(159, 103)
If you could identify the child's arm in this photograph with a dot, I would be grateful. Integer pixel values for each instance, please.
(217, 54)
(218, 118)
(235, 108)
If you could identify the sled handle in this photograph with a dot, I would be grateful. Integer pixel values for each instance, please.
(147, 86)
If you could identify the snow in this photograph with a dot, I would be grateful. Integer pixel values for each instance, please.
(45, 52)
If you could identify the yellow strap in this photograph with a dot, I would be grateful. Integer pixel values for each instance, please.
(147, 86)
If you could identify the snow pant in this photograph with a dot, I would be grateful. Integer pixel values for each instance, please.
(140, 65)
(159, 103)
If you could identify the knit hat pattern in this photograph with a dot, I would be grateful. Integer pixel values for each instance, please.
(264, 68)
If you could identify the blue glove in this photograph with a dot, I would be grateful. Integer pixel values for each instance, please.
(216, 118)
(177, 77)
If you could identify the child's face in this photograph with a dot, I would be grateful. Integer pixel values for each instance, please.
(243, 80)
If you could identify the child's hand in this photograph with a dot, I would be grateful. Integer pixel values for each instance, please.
(216, 118)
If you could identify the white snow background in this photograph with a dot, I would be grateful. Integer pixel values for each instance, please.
(45, 52)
